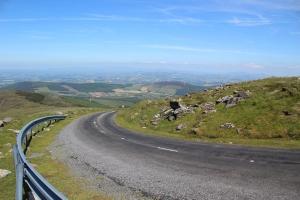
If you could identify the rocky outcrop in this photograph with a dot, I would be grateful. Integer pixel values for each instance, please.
(173, 112)
(233, 100)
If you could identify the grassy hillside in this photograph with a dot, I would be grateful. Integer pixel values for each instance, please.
(270, 116)
(22, 108)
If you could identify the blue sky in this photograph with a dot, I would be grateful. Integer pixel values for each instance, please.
(236, 35)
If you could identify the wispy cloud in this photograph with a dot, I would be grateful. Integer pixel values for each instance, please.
(254, 66)
(113, 18)
(193, 49)
(177, 48)
(260, 21)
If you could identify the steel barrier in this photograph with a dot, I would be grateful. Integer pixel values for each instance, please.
(29, 183)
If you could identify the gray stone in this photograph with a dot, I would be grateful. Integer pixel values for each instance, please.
(7, 120)
(154, 123)
(227, 125)
(208, 107)
(4, 172)
(180, 127)
(171, 118)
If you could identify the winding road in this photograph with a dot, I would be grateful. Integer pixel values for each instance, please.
(163, 168)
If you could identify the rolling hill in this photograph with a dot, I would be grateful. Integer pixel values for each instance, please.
(263, 112)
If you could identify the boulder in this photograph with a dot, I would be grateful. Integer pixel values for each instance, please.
(4, 172)
(7, 120)
(180, 127)
(175, 104)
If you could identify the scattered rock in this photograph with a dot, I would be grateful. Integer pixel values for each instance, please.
(287, 113)
(180, 127)
(227, 125)
(47, 129)
(7, 120)
(154, 123)
(233, 100)
(208, 107)
(14, 130)
(59, 113)
(4, 172)
(171, 118)
(224, 99)
(144, 127)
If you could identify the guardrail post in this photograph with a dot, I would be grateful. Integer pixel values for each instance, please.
(19, 169)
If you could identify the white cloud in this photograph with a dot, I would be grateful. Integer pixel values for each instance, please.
(260, 21)
(193, 49)
(254, 66)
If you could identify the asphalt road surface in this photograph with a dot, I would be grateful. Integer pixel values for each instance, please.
(163, 168)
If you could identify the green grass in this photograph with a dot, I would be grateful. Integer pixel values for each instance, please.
(22, 110)
(260, 118)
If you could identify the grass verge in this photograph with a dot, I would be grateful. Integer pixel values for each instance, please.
(54, 171)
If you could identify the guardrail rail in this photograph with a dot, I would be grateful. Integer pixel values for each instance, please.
(29, 183)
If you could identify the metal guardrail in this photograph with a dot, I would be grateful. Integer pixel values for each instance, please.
(29, 183)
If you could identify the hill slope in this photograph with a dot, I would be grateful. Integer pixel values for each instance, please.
(263, 112)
